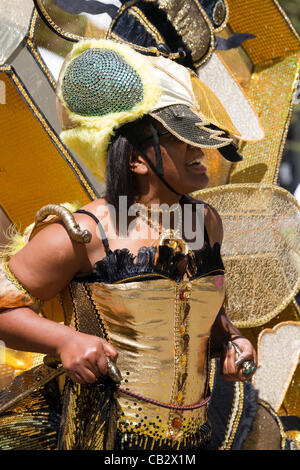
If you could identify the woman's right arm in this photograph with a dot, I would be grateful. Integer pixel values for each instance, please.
(44, 267)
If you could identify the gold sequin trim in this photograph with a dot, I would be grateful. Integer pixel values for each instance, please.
(219, 28)
(277, 419)
(145, 50)
(193, 25)
(212, 374)
(33, 24)
(285, 131)
(202, 124)
(138, 14)
(57, 28)
(262, 159)
(235, 416)
(140, 276)
(5, 68)
(115, 19)
(41, 62)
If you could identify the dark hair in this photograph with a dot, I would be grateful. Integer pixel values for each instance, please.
(120, 180)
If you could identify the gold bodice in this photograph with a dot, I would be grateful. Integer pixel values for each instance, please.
(161, 331)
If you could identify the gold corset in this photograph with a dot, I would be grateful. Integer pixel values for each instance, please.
(161, 330)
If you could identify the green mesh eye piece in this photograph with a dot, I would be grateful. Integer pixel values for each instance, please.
(100, 82)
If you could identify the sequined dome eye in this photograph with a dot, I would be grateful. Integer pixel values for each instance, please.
(219, 13)
(99, 82)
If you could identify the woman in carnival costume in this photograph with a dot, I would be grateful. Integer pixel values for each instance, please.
(142, 295)
(138, 310)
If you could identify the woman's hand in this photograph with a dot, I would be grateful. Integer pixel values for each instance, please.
(84, 357)
(223, 334)
(229, 369)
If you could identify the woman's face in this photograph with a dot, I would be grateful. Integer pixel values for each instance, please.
(183, 164)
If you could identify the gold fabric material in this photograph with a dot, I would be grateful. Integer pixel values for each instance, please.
(66, 24)
(73, 26)
(211, 107)
(26, 383)
(12, 293)
(6, 375)
(270, 90)
(89, 418)
(53, 310)
(237, 61)
(278, 355)
(4, 224)
(294, 436)
(25, 133)
(215, 75)
(191, 23)
(29, 426)
(265, 434)
(21, 360)
(40, 35)
(220, 14)
(181, 86)
(89, 415)
(260, 250)
(274, 34)
(139, 318)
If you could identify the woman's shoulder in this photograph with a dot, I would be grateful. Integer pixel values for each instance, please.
(89, 215)
(94, 206)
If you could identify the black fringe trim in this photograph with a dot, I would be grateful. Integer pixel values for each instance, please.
(121, 264)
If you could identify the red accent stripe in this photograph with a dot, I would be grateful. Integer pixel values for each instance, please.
(165, 405)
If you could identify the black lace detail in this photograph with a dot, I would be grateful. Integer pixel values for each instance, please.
(122, 265)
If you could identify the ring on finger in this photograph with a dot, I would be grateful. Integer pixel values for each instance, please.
(113, 371)
(248, 365)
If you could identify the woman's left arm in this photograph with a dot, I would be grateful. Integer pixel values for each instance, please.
(223, 332)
